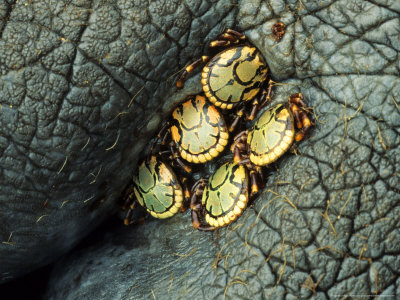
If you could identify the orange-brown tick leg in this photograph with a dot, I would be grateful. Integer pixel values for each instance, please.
(163, 135)
(228, 37)
(306, 124)
(254, 186)
(196, 208)
(245, 161)
(177, 159)
(239, 115)
(128, 216)
(299, 100)
(299, 110)
(239, 143)
(254, 109)
(237, 157)
(263, 99)
(219, 43)
(266, 95)
(296, 113)
(186, 194)
(189, 69)
(174, 157)
(236, 34)
(128, 197)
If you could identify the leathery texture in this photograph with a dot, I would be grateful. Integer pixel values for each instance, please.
(83, 85)
(327, 223)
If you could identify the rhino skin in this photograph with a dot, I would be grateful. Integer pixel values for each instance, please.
(327, 224)
(83, 85)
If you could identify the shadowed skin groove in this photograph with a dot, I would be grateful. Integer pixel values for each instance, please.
(6, 16)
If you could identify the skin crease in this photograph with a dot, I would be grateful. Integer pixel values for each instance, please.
(327, 223)
(79, 99)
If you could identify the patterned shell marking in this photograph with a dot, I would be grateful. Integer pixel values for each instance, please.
(226, 195)
(271, 135)
(234, 75)
(157, 189)
(198, 130)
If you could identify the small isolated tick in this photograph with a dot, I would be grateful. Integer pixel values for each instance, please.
(278, 30)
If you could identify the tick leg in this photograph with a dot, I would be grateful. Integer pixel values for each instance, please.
(261, 176)
(263, 99)
(299, 109)
(233, 35)
(239, 143)
(189, 69)
(266, 95)
(184, 166)
(256, 177)
(245, 162)
(296, 113)
(299, 100)
(203, 227)
(239, 115)
(176, 158)
(306, 122)
(163, 135)
(128, 197)
(225, 39)
(237, 157)
(228, 37)
(132, 203)
(199, 184)
(196, 208)
(219, 43)
(254, 110)
(186, 194)
(254, 185)
(240, 136)
(128, 216)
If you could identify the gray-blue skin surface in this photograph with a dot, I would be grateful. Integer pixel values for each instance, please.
(83, 85)
(326, 225)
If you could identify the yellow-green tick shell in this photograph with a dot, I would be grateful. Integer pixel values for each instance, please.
(271, 135)
(234, 75)
(226, 195)
(198, 130)
(157, 189)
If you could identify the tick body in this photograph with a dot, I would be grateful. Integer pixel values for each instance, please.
(233, 76)
(271, 135)
(273, 132)
(198, 130)
(223, 198)
(278, 30)
(156, 188)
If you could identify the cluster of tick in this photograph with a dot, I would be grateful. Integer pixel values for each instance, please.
(236, 87)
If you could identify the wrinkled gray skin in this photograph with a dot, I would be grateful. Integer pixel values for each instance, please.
(83, 85)
(326, 225)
